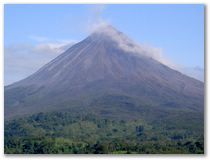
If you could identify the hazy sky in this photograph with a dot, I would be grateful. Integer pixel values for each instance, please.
(34, 34)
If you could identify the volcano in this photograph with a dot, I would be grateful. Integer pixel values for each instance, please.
(109, 75)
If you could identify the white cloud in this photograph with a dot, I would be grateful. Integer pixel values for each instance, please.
(52, 48)
(22, 60)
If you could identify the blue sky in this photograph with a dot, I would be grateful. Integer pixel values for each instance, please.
(178, 30)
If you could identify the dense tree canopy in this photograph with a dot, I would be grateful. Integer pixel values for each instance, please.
(62, 132)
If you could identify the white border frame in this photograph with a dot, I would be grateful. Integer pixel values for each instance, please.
(114, 157)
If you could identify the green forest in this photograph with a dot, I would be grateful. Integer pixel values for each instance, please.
(62, 132)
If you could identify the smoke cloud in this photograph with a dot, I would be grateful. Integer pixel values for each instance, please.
(128, 45)
(98, 24)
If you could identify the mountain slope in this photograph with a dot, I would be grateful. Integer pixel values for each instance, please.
(107, 74)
